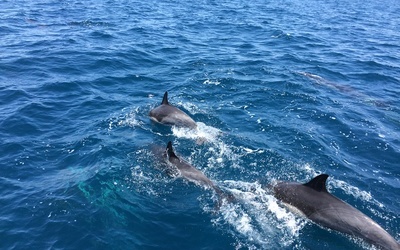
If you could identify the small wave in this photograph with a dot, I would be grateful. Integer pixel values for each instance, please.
(355, 192)
(191, 107)
(211, 82)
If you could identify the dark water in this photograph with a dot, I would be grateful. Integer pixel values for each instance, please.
(281, 90)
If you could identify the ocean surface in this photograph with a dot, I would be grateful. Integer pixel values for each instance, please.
(280, 90)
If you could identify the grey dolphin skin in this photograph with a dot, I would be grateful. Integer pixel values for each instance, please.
(191, 173)
(170, 115)
(186, 170)
(323, 208)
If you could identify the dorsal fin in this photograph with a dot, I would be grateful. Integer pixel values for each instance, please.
(318, 183)
(170, 150)
(165, 99)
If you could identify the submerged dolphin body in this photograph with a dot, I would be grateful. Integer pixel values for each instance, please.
(186, 170)
(182, 168)
(323, 208)
(345, 89)
(170, 115)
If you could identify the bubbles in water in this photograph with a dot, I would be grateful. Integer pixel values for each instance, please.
(192, 108)
(201, 134)
(146, 176)
(258, 217)
(125, 118)
(347, 188)
(355, 191)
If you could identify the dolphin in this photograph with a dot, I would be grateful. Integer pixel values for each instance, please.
(322, 81)
(170, 115)
(185, 170)
(344, 89)
(317, 204)
(179, 167)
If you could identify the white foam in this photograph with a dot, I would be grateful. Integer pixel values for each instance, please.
(125, 118)
(356, 192)
(129, 120)
(202, 132)
(146, 179)
(309, 170)
(258, 217)
(252, 151)
(211, 82)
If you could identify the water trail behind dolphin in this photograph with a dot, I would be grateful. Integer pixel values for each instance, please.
(257, 218)
(201, 134)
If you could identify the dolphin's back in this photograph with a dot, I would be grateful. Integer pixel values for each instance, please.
(187, 171)
(191, 173)
(170, 115)
(323, 208)
(340, 216)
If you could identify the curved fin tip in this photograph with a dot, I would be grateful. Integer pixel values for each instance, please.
(318, 183)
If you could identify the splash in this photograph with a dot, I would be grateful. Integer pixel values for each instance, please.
(125, 118)
(347, 188)
(258, 218)
(201, 134)
(191, 107)
(146, 174)
(356, 192)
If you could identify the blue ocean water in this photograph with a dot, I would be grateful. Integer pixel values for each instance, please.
(281, 90)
